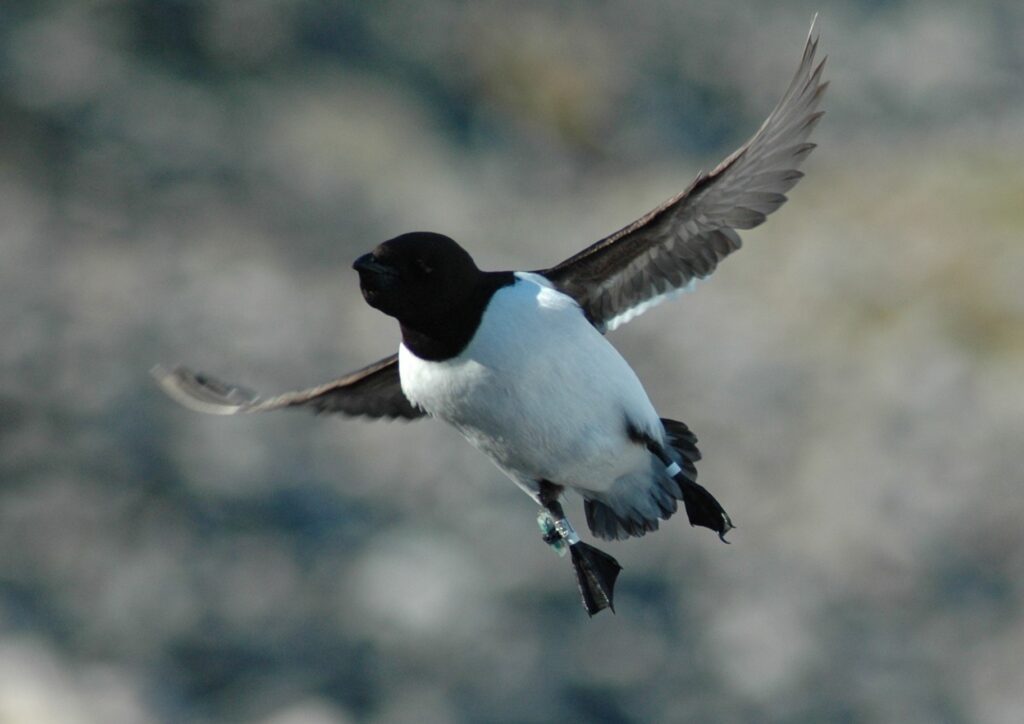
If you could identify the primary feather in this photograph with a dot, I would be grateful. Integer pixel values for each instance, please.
(662, 254)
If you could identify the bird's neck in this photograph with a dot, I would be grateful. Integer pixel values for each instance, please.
(439, 337)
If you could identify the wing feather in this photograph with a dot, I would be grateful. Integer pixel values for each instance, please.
(374, 391)
(684, 239)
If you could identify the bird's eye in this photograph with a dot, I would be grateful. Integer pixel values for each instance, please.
(424, 267)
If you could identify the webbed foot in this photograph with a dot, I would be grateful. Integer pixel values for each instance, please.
(596, 572)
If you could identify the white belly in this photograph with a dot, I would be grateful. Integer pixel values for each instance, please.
(541, 392)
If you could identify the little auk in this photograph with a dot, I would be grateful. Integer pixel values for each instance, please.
(518, 362)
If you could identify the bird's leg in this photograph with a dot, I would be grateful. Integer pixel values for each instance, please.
(596, 571)
(701, 507)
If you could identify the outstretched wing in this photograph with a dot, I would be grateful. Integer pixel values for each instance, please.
(661, 254)
(373, 391)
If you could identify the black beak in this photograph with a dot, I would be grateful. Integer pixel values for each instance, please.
(369, 263)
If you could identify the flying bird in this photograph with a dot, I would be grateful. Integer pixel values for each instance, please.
(517, 361)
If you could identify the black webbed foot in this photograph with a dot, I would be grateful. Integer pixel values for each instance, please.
(702, 509)
(596, 572)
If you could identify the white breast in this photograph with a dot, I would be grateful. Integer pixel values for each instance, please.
(540, 391)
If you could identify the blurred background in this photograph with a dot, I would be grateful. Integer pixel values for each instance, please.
(189, 182)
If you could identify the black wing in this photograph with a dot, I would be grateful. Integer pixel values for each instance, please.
(660, 254)
(373, 391)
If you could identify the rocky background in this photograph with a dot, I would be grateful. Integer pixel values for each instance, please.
(189, 182)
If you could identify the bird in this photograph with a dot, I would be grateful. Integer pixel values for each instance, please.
(518, 361)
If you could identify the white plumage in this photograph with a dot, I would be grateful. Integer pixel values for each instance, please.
(544, 395)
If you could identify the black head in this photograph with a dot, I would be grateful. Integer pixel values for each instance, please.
(416, 275)
(432, 287)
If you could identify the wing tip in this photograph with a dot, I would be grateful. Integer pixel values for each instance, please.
(813, 34)
(807, 66)
(200, 393)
